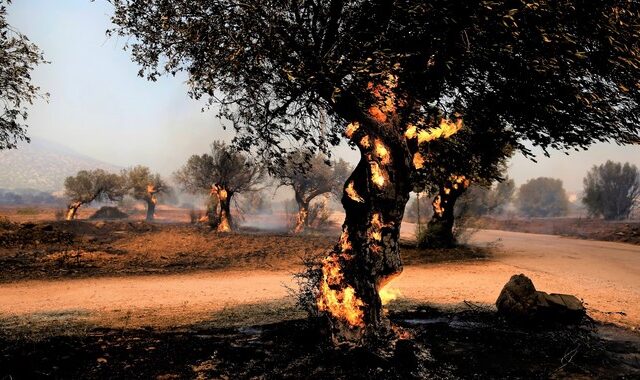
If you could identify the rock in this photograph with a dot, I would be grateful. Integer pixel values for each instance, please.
(107, 212)
(519, 300)
(562, 307)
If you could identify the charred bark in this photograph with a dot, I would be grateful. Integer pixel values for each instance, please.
(302, 219)
(367, 255)
(225, 223)
(440, 228)
(151, 209)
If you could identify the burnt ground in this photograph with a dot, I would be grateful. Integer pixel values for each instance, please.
(475, 343)
(592, 229)
(75, 249)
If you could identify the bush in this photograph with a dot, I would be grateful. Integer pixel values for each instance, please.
(611, 190)
(543, 197)
(60, 214)
(107, 212)
(27, 211)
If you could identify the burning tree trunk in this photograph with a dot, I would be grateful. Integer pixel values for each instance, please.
(72, 210)
(367, 255)
(225, 223)
(302, 220)
(151, 200)
(440, 227)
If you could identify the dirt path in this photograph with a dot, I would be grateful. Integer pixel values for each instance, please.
(606, 275)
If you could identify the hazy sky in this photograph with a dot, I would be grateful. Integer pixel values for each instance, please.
(101, 108)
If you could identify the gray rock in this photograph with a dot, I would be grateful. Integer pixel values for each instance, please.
(519, 300)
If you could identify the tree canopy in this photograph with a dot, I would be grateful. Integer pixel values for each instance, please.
(543, 197)
(224, 166)
(559, 74)
(18, 57)
(92, 185)
(143, 184)
(611, 190)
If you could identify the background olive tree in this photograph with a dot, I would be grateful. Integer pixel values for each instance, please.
(611, 190)
(311, 176)
(145, 186)
(543, 197)
(92, 185)
(221, 174)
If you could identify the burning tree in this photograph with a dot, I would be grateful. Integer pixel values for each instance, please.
(462, 161)
(145, 186)
(222, 174)
(401, 76)
(94, 185)
(310, 178)
(18, 58)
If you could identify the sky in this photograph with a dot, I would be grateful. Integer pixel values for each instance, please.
(100, 107)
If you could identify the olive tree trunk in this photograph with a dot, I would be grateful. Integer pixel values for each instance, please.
(367, 255)
(440, 228)
(72, 210)
(225, 223)
(151, 209)
(302, 219)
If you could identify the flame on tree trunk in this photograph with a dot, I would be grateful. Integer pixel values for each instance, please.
(72, 210)
(440, 227)
(224, 216)
(302, 220)
(151, 200)
(367, 255)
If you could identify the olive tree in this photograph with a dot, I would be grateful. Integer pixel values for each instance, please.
(311, 177)
(18, 58)
(92, 185)
(543, 197)
(145, 186)
(397, 78)
(611, 190)
(462, 161)
(221, 174)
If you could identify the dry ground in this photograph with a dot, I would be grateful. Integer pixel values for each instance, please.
(128, 299)
(626, 231)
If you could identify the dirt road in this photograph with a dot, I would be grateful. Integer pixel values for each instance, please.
(606, 275)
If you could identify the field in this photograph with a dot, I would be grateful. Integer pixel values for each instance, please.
(130, 299)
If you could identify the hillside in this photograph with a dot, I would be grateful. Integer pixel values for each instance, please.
(43, 165)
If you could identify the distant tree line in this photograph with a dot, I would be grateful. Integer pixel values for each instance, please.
(611, 191)
(27, 197)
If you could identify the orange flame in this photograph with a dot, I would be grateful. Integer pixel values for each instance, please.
(388, 294)
(382, 152)
(351, 129)
(418, 160)
(446, 129)
(365, 142)
(222, 194)
(460, 180)
(385, 98)
(345, 244)
(437, 206)
(376, 227)
(411, 132)
(352, 193)
(377, 175)
(336, 297)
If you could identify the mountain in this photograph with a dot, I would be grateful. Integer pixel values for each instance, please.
(43, 165)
